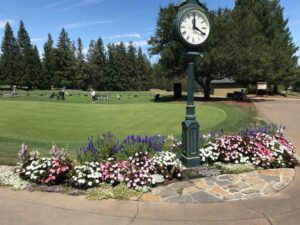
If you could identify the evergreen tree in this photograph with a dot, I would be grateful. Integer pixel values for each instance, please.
(283, 52)
(81, 75)
(64, 61)
(96, 65)
(10, 58)
(27, 57)
(264, 49)
(37, 70)
(122, 74)
(48, 62)
(172, 53)
(144, 71)
(133, 76)
(111, 72)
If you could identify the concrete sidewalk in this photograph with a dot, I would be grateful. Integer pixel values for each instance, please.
(283, 208)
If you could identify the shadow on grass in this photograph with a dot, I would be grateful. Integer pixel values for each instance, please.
(183, 99)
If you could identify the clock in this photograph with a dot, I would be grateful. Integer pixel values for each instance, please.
(192, 27)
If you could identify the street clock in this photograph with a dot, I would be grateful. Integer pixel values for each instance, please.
(191, 26)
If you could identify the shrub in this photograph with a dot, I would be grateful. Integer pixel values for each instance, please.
(114, 172)
(87, 175)
(88, 153)
(105, 147)
(46, 170)
(10, 178)
(235, 168)
(261, 150)
(140, 170)
(168, 165)
(105, 191)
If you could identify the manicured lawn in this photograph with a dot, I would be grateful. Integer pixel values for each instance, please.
(39, 123)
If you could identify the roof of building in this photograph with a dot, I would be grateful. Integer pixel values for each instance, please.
(223, 81)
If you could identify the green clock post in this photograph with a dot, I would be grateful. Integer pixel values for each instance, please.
(191, 27)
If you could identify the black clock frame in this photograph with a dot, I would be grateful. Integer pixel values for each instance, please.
(177, 21)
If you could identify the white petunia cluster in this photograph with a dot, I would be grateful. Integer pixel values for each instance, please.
(168, 165)
(10, 178)
(87, 176)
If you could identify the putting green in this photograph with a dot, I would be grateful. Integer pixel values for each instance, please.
(73, 123)
(41, 123)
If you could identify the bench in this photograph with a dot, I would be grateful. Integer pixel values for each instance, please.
(103, 98)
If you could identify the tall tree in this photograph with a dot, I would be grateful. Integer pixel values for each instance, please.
(48, 61)
(264, 50)
(173, 58)
(96, 64)
(81, 75)
(10, 58)
(27, 54)
(144, 71)
(64, 61)
(37, 70)
(133, 76)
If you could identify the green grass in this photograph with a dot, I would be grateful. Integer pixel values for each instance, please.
(39, 122)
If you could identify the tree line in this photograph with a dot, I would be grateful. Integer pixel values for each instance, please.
(117, 67)
(249, 43)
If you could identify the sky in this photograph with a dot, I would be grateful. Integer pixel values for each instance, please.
(113, 20)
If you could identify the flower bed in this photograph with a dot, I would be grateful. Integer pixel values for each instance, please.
(139, 163)
(267, 150)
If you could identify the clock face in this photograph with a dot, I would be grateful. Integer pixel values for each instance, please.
(194, 27)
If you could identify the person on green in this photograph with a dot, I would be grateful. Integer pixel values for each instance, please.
(93, 94)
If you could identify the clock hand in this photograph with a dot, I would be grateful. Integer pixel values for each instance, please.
(196, 28)
(194, 21)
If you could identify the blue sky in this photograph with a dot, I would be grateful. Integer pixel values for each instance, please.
(113, 20)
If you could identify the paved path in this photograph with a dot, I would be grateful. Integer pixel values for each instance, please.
(283, 208)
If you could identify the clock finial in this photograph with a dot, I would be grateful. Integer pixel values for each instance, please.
(193, 2)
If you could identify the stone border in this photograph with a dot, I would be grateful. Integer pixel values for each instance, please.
(226, 187)
(256, 184)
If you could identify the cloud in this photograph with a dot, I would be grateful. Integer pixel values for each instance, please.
(3, 23)
(133, 35)
(56, 4)
(294, 22)
(141, 43)
(38, 39)
(67, 5)
(82, 3)
(85, 24)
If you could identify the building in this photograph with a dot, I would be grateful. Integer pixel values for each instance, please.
(221, 88)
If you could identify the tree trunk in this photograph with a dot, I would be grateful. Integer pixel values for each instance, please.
(204, 82)
(275, 90)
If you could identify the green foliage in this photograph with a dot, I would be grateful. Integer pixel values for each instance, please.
(120, 192)
(9, 178)
(235, 168)
(10, 61)
(249, 43)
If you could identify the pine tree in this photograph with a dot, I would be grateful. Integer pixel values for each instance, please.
(37, 70)
(264, 48)
(143, 71)
(27, 54)
(111, 73)
(121, 67)
(10, 58)
(96, 65)
(283, 52)
(48, 62)
(81, 75)
(64, 61)
(135, 81)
